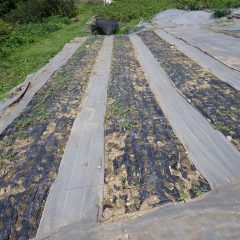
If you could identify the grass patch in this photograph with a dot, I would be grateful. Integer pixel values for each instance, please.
(26, 48)
(127, 11)
(219, 13)
(210, 4)
(130, 12)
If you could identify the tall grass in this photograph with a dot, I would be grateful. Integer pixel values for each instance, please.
(132, 10)
(129, 10)
(211, 4)
(27, 47)
(30, 47)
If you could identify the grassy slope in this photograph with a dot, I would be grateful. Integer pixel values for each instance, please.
(211, 4)
(129, 10)
(29, 58)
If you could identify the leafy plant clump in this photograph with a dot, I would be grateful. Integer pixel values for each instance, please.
(207, 4)
(132, 10)
(126, 11)
(219, 13)
(36, 10)
(24, 48)
(13, 36)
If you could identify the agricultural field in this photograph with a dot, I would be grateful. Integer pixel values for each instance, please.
(130, 136)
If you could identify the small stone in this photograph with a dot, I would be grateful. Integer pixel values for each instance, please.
(178, 165)
(229, 138)
(126, 236)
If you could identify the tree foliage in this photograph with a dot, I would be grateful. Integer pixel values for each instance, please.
(25, 11)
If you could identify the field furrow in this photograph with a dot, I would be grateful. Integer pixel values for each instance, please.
(31, 148)
(215, 99)
(145, 163)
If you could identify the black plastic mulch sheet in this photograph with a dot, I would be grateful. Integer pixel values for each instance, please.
(216, 100)
(31, 148)
(145, 163)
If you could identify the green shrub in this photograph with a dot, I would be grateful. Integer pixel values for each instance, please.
(36, 10)
(204, 4)
(128, 10)
(219, 13)
(5, 30)
(192, 4)
(13, 36)
(6, 6)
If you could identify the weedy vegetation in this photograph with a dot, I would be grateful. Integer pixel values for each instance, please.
(33, 31)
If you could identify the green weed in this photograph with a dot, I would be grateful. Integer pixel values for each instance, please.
(22, 123)
(222, 128)
(136, 181)
(211, 4)
(184, 195)
(223, 113)
(219, 13)
(127, 11)
(126, 124)
(26, 48)
(196, 191)
(8, 141)
(22, 135)
(123, 182)
(7, 155)
(3, 163)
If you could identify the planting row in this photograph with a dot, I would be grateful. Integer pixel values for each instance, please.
(31, 148)
(215, 99)
(145, 164)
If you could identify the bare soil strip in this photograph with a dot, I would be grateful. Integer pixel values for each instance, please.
(145, 164)
(216, 100)
(31, 148)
